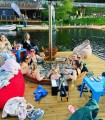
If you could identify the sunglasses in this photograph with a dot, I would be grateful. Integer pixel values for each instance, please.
(32, 51)
(78, 57)
(27, 57)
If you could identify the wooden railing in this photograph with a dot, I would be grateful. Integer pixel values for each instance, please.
(15, 19)
(22, 4)
(9, 17)
(85, 4)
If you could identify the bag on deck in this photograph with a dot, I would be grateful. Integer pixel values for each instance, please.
(40, 92)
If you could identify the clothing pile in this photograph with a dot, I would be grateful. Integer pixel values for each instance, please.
(11, 65)
(7, 71)
(17, 106)
(7, 55)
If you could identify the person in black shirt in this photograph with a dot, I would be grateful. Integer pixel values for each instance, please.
(28, 44)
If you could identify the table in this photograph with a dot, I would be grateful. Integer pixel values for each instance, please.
(18, 53)
(96, 87)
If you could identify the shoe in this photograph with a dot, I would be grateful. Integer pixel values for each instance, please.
(79, 86)
(36, 114)
(84, 89)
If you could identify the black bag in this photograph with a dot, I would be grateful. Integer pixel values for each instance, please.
(62, 91)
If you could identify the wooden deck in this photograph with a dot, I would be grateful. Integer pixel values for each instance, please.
(20, 21)
(59, 110)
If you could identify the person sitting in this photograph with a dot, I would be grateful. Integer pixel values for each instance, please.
(24, 64)
(68, 67)
(34, 72)
(5, 48)
(4, 43)
(27, 43)
(54, 74)
(83, 64)
(75, 71)
(69, 61)
(34, 57)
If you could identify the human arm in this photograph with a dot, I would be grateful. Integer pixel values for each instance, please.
(38, 77)
(67, 71)
(24, 68)
(9, 47)
(23, 65)
(73, 76)
(49, 73)
(40, 57)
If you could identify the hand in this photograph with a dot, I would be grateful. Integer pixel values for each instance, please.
(42, 55)
(6, 44)
(64, 70)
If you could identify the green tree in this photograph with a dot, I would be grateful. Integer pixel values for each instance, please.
(63, 10)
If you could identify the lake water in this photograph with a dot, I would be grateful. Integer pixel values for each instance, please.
(67, 39)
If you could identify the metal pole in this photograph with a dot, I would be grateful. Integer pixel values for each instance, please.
(50, 30)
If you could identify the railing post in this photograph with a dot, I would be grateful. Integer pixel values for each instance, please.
(50, 30)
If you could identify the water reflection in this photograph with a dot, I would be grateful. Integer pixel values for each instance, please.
(9, 33)
(67, 39)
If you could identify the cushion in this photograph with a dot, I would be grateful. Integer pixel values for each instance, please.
(14, 89)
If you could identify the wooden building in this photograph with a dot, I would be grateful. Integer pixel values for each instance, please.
(31, 10)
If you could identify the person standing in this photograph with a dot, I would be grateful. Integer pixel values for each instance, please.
(24, 19)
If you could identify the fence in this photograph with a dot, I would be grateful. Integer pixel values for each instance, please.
(88, 4)
(31, 5)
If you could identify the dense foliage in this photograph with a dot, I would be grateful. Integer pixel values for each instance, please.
(66, 14)
(89, 10)
(93, 1)
(61, 11)
(64, 10)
